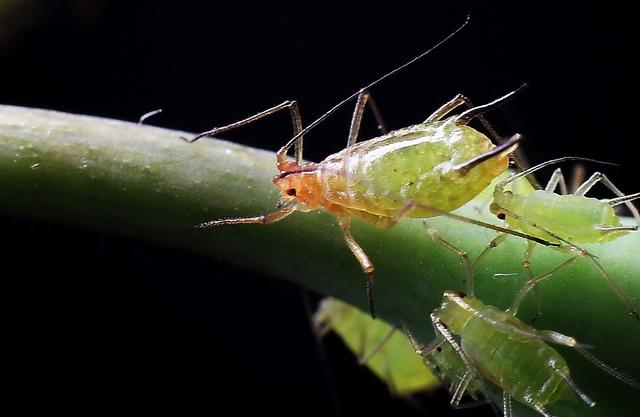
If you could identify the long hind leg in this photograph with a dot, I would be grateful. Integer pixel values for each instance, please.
(557, 179)
(364, 99)
(454, 103)
(533, 282)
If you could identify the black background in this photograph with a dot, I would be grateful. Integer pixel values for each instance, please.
(100, 324)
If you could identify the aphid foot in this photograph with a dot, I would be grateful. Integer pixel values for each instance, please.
(536, 316)
(370, 294)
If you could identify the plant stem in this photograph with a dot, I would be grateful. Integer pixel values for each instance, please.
(145, 182)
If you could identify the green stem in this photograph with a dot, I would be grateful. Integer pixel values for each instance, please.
(145, 182)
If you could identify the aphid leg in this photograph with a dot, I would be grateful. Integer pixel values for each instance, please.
(471, 370)
(273, 217)
(584, 397)
(557, 178)
(448, 107)
(626, 200)
(411, 204)
(446, 334)
(614, 286)
(464, 259)
(608, 369)
(420, 349)
(540, 409)
(491, 246)
(364, 98)
(363, 259)
(526, 263)
(533, 282)
(500, 186)
(363, 357)
(454, 103)
(506, 404)
(460, 389)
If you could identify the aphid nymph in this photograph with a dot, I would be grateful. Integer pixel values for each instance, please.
(497, 347)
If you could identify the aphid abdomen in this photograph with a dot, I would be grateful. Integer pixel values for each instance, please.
(525, 367)
(577, 219)
(419, 163)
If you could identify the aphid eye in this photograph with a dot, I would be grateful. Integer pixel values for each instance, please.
(461, 294)
(439, 349)
(501, 216)
(291, 192)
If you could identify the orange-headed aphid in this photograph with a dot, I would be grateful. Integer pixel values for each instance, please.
(441, 163)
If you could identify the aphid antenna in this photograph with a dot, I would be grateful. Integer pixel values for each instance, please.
(608, 369)
(319, 120)
(550, 162)
(364, 358)
(623, 200)
(468, 115)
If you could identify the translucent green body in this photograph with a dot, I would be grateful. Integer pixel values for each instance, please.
(419, 163)
(577, 219)
(395, 362)
(450, 369)
(524, 366)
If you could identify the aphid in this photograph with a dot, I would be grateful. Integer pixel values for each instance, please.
(563, 221)
(441, 163)
(377, 344)
(497, 347)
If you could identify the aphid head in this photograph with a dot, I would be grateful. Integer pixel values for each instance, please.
(497, 210)
(453, 311)
(300, 183)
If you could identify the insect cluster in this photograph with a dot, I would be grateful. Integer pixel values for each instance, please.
(431, 169)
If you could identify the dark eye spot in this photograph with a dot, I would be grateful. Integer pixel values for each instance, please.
(291, 192)
(501, 216)
(439, 349)
(461, 294)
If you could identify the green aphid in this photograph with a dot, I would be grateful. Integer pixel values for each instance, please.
(441, 163)
(494, 346)
(386, 352)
